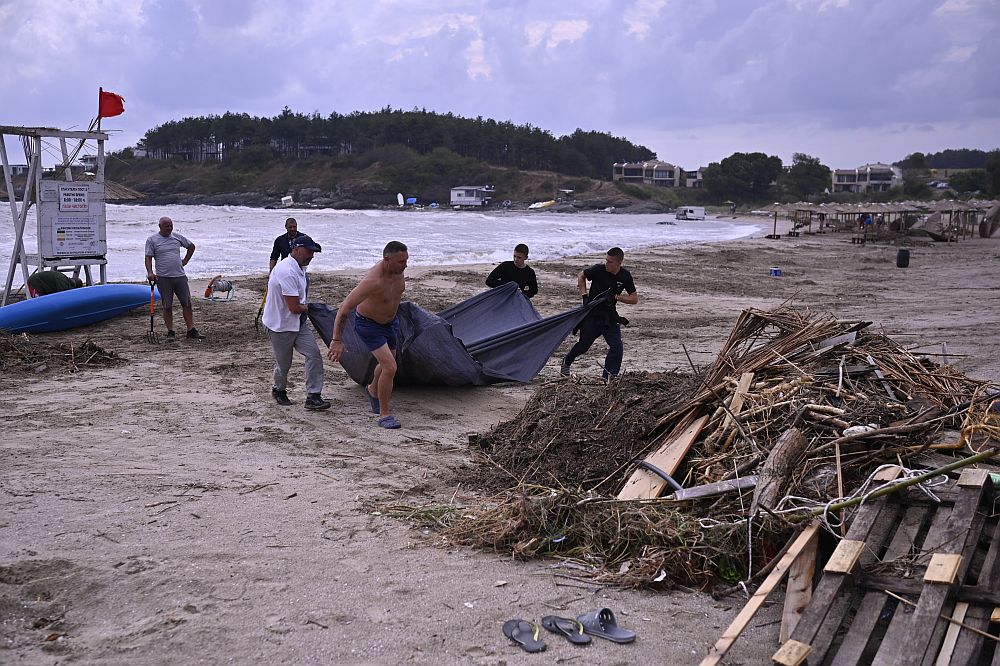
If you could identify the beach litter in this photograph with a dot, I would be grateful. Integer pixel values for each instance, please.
(21, 352)
(793, 420)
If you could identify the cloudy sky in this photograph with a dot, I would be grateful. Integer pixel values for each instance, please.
(848, 81)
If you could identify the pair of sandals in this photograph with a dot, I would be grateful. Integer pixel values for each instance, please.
(388, 422)
(600, 623)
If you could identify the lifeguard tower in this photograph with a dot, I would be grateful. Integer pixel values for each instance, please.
(69, 211)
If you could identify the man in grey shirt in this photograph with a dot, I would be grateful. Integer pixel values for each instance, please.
(165, 248)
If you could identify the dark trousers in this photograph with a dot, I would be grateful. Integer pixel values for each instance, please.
(599, 324)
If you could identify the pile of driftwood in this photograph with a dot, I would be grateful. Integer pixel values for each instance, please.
(22, 353)
(655, 479)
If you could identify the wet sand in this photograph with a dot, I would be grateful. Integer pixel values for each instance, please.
(168, 511)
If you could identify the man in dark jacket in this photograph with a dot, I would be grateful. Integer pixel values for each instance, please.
(607, 282)
(283, 243)
(515, 271)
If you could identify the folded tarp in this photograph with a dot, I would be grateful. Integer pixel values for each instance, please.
(492, 337)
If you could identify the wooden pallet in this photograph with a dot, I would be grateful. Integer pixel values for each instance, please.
(945, 562)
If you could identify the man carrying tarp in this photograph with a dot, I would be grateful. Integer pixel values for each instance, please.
(287, 325)
(373, 305)
(515, 271)
(607, 282)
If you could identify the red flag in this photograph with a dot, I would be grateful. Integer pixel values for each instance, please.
(110, 105)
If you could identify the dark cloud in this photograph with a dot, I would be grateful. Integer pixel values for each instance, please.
(693, 81)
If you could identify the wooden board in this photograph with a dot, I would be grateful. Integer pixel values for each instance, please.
(844, 557)
(644, 484)
(736, 627)
(798, 590)
(943, 568)
(736, 406)
(951, 637)
(792, 653)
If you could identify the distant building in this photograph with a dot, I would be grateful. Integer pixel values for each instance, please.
(867, 178)
(471, 195)
(694, 179)
(19, 169)
(652, 172)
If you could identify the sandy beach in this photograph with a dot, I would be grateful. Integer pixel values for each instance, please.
(166, 510)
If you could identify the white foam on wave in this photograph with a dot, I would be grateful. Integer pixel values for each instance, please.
(236, 240)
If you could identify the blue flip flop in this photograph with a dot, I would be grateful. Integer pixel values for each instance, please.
(376, 408)
(389, 422)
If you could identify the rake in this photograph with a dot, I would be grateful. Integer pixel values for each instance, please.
(260, 312)
(152, 336)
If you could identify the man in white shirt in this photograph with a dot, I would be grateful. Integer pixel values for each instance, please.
(288, 326)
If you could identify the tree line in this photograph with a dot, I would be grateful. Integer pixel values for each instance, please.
(290, 135)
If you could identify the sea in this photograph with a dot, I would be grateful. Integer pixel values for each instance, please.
(237, 240)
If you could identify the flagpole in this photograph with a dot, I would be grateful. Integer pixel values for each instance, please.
(100, 94)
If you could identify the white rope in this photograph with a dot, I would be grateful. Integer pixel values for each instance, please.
(797, 504)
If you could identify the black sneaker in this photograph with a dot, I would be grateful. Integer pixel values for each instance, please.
(171, 335)
(280, 397)
(564, 369)
(193, 334)
(316, 401)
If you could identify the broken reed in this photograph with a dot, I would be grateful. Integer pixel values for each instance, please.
(24, 353)
(642, 543)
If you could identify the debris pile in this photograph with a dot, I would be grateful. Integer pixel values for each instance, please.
(797, 413)
(22, 353)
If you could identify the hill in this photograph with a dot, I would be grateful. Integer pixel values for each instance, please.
(370, 179)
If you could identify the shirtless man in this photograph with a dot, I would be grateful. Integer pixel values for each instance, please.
(372, 306)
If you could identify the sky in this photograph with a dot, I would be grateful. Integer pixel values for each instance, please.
(848, 81)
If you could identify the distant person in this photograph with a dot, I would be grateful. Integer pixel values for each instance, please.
(44, 283)
(374, 303)
(607, 282)
(288, 326)
(515, 271)
(283, 243)
(165, 248)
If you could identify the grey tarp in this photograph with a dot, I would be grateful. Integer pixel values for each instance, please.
(492, 337)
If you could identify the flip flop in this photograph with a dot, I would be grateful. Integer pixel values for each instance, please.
(602, 623)
(389, 422)
(524, 633)
(376, 408)
(568, 627)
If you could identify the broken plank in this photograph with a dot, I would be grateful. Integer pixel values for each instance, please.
(644, 484)
(951, 637)
(736, 406)
(798, 590)
(792, 653)
(733, 631)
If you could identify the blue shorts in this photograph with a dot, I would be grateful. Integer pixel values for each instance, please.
(374, 334)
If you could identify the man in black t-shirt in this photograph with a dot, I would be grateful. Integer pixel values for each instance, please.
(283, 243)
(515, 271)
(607, 282)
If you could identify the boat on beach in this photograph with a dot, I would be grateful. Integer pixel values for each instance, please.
(73, 308)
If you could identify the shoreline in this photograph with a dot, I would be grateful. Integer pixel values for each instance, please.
(167, 505)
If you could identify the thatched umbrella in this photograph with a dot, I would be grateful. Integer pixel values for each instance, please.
(775, 208)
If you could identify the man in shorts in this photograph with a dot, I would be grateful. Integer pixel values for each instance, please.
(372, 305)
(164, 248)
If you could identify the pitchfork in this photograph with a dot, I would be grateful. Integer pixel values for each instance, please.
(152, 337)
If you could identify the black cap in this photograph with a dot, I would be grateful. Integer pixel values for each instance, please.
(305, 241)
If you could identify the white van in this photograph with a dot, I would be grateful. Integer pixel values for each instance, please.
(690, 213)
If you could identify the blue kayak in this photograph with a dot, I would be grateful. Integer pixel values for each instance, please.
(73, 308)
